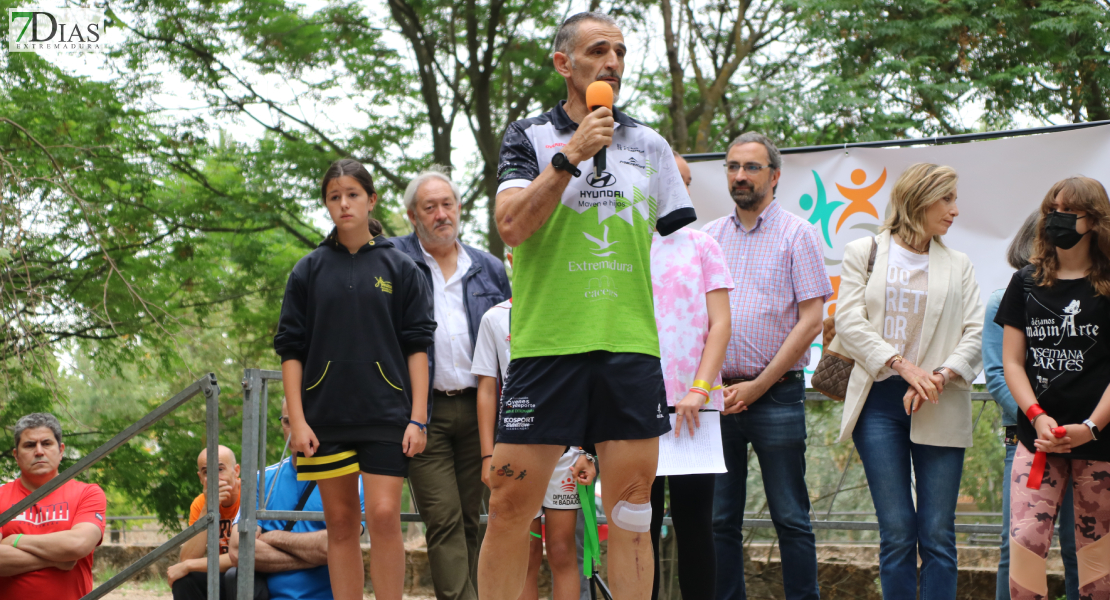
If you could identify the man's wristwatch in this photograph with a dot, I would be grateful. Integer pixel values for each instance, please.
(1094, 428)
(561, 162)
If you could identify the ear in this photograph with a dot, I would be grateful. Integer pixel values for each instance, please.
(562, 63)
(775, 177)
(62, 449)
(236, 470)
(372, 201)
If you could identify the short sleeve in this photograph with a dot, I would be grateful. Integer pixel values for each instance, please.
(808, 269)
(714, 269)
(485, 350)
(196, 509)
(674, 209)
(517, 166)
(92, 507)
(1011, 310)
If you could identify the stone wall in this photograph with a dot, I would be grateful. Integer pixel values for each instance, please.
(845, 572)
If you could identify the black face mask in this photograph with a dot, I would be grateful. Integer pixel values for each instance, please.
(1060, 228)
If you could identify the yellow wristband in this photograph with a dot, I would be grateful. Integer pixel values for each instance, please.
(703, 384)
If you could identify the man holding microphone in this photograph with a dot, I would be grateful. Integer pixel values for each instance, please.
(585, 350)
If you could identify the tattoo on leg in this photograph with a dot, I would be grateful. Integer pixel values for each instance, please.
(521, 476)
(505, 471)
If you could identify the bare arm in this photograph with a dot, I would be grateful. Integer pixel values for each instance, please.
(712, 356)
(14, 561)
(267, 559)
(310, 548)
(62, 546)
(521, 212)
(487, 419)
(194, 547)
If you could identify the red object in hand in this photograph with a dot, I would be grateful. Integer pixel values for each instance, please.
(1036, 473)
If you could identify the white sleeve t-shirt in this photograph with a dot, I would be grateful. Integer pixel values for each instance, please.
(907, 290)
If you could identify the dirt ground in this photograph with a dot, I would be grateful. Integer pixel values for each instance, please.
(140, 591)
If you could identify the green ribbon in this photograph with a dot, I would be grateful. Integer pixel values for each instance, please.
(591, 553)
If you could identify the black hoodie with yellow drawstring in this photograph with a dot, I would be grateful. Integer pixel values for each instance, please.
(353, 320)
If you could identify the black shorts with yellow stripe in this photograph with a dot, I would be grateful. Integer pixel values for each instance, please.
(338, 459)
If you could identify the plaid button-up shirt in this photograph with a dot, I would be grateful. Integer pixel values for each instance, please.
(776, 265)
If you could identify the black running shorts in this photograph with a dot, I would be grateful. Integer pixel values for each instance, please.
(581, 399)
(343, 458)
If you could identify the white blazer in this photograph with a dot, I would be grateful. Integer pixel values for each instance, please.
(951, 335)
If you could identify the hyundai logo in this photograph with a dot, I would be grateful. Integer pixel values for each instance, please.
(606, 180)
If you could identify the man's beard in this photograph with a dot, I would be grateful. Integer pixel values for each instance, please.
(747, 199)
(432, 238)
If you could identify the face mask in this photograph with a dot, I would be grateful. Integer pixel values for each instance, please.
(1060, 228)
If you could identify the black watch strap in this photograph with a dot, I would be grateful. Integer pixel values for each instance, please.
(561, 162)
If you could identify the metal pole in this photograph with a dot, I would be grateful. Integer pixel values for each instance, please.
(843, 474)
(212, 499)
(105, 588)
(248, 506)
(94, 457)
(263, 414)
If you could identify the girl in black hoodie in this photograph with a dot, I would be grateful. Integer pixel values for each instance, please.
(356, 322)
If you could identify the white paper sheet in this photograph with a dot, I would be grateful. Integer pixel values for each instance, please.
(689, 454)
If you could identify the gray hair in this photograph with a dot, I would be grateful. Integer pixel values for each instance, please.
(752, 137)
(439, 172)
(1021, 247)
(567, 36)
(35, 421)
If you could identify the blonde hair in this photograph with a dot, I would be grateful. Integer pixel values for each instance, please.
(919, 187)
(1079, 194)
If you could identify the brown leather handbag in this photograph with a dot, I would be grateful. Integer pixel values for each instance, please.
(835, 367)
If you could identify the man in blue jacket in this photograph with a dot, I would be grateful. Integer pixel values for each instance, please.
(446, 477)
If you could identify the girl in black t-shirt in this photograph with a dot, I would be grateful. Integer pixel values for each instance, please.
(1056, 357)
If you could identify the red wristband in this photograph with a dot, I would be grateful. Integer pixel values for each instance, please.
(698, 390)
(1033, 412)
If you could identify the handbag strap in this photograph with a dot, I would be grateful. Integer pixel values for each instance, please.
(300, 504)
(871, 259)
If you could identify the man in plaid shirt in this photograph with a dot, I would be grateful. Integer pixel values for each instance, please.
(781, 287)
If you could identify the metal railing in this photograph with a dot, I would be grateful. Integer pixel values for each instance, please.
(209, 521)
(255, 398)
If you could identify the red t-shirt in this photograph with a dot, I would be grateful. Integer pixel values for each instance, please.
(73, 503)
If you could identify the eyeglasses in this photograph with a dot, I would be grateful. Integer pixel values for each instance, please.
(749, 168)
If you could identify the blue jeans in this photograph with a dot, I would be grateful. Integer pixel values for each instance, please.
(882, 437)
(1066, 520)
(775, 427)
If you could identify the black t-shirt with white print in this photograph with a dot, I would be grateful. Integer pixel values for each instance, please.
(1067, 357)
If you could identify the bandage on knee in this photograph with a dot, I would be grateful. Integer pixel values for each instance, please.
(632, 517)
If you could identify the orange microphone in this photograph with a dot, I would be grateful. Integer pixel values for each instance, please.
(599, 94)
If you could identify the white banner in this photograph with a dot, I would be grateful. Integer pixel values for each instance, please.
(845, 193)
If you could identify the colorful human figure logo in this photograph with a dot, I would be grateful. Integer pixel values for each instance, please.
(860, 198)
(823, 211)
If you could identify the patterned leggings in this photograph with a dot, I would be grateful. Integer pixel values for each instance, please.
(1033, 514)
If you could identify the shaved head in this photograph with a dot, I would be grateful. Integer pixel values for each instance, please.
(227, 457)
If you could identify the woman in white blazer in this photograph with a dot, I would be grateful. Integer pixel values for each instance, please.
(914, 328)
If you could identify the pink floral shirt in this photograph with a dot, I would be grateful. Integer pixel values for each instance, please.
(684, 267)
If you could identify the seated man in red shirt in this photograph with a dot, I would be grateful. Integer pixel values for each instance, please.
(47, 552)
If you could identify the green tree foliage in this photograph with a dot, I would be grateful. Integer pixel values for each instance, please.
(897, 67)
